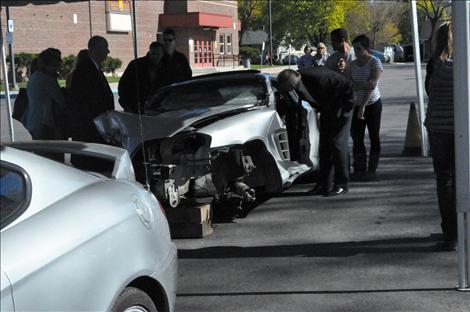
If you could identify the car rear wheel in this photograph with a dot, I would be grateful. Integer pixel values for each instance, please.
(134, 300)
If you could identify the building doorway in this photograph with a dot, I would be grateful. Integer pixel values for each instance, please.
(203, 56)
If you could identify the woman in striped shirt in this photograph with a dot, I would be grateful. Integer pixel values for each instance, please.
(365, 72)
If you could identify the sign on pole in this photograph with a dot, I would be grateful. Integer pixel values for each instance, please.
(11, 26)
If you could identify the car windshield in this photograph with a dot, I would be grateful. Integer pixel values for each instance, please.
(201, 94)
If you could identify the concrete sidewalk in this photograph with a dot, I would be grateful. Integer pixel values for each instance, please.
(376, 248)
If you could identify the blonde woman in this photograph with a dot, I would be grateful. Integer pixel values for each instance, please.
(319, 59)
(440, 125)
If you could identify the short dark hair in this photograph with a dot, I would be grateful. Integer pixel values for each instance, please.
(169, 31)
(156, 45)
(340, 33)
(288, 77)
(363, 40)
(47, 56)
(95, 41)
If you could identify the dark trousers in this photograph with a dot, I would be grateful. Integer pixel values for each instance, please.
(443, 158)
(334, 135)
(372, 117)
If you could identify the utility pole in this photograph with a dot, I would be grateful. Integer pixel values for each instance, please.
(270, 34)
(10, 46)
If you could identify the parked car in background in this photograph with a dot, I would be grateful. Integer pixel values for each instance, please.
(381, 56)
(81, 241)
(290, 59)
(225, 135)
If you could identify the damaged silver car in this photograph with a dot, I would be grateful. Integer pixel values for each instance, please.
(226, 135)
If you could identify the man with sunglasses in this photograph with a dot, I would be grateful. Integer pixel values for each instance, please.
(176, 66)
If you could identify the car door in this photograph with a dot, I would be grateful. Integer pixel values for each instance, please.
(301, 154)
(6, 297)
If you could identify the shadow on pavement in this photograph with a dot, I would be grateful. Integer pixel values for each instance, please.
(342, 249)
(312, 292)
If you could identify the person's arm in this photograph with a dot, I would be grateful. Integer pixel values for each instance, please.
(305, 95)
(429, 70)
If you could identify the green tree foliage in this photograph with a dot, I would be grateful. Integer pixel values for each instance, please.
(68, 65)
(298, 22)
(384, 19)
(435, 11)
(357, 18)
(110, 64)
(23, 62)
(250, 14)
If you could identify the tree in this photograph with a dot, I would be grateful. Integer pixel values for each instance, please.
(310, 21)
(384, 19)
(250, 14)
(435, 11)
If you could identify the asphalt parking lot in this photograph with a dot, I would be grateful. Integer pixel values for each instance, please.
(376, 248)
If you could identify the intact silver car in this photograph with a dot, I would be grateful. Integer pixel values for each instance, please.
(81, 241)
(225, 135)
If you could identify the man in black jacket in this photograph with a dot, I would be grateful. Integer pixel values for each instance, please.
(91, 96)
(150, 77)
(176, 65)
(332, 95)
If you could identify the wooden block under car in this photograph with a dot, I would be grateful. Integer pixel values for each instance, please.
(190, 222)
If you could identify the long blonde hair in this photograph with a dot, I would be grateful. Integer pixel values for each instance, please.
(443, 50)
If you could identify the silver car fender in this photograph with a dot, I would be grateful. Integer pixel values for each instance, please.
(97, 220)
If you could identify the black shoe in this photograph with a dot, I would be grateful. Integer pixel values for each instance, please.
(449, 245)
(317, 190)
(337, 191)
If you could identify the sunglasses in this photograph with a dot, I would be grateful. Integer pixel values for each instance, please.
(168, 40)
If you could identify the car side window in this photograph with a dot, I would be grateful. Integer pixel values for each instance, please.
(14, 193)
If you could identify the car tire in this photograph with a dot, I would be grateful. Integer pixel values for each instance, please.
(134, 300)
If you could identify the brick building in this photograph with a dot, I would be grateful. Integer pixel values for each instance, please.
(206, 30)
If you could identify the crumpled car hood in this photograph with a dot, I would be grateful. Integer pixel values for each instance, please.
(123, 129)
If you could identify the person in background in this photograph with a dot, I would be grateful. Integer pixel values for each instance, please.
(91, 96)
(82, 54)
(150, 77)
(306, 60)
(45, 99)
(319, 59)
(365, 72)
(440, 125)
(343, 54)
(332, 95)
(175, 64)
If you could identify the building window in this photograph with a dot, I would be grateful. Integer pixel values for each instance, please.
(222, 43)
(229, 44)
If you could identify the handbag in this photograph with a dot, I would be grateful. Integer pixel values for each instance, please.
(20, 107)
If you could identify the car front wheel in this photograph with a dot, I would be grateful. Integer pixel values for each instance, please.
(134, 300)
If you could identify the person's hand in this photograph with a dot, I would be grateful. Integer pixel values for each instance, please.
(341, 65)
(360, 112)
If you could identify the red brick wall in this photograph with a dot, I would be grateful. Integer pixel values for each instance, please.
(38, 27)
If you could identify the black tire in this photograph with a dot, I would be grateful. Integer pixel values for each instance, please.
(133, 297)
